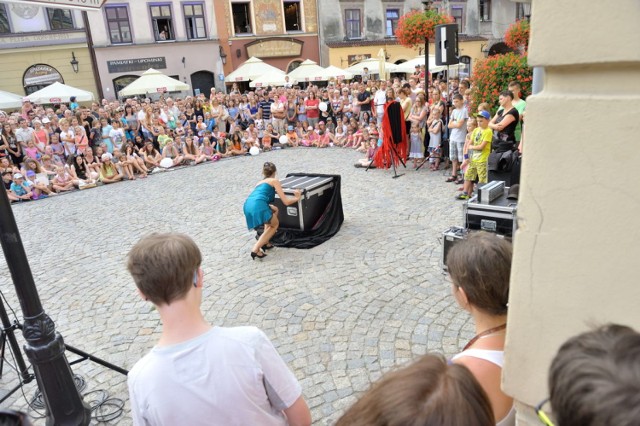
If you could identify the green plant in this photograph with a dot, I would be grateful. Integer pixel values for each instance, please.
(517, 35)
(416, 26)
(493, 75)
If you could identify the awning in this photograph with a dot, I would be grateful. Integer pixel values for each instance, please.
(58, 92)
(250, 70)
(153, 81)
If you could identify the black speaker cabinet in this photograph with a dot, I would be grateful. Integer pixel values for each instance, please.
(447, 44)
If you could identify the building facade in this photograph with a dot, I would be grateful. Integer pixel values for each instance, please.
(352, 30)
(42, 45)
(281, 33)
(178, 38)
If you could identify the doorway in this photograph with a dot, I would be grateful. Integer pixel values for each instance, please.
(202, 82)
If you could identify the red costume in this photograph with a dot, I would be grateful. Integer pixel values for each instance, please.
(394, 143)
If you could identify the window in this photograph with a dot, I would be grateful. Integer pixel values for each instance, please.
(392, 17)
(241, 18)
(292, 21)
(485, 10)
(521, 13)
(5, 28)
(456, 12)
(194, 20)
(162, 22)
(352, 23)
(60, 19)
(118, 24)
(465, 70)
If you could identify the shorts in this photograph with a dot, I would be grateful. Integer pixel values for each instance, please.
(456, 151)
(477, 170)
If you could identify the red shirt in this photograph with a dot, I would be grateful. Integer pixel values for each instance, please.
(312, 113)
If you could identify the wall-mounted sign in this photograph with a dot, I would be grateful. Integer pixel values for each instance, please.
(357, 58)
(141, 64)
(274, 48)
(75, 4)
(41, 75)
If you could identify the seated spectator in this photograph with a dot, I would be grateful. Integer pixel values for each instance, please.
(63, 181)
(427, 392)
(151, 156)
(292, 136)
(236, 147)
(21, 190)
(7, 181)
(108, 170)
(594, 379)
(479, 268)
(198, 374)
(171, 151)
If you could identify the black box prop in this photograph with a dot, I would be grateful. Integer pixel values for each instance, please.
(455, 235)
(499, 216)
(316, 194)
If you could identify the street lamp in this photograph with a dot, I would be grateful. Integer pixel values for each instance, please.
(223, 56)
(427, 6)
(74, 62)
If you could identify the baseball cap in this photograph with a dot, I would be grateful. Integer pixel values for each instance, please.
(31, 173)
(46, 120)
(26, 99)
(290, 128)
(18, 176)
(105, 156)
(484, 114)
(310, 128)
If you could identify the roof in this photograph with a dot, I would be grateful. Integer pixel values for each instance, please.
(389, 41)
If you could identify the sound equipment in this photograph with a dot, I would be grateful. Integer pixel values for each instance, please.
(450, 238)
(490, 191)
(498, 216)
(447, 44)
(316, 194)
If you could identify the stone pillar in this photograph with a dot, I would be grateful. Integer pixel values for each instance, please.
(577, 248)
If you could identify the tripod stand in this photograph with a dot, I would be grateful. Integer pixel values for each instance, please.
(7, 335)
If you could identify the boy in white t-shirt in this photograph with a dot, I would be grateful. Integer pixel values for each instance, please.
(457, 135)
(199, 374)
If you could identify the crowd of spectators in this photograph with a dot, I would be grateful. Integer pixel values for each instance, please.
(45, 150)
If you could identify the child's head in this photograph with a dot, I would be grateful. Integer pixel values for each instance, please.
(483, 118)
(60, 170)
(18, 178)
(483, 107)
(31, 144)
(414, 128)
(6, 176)
(471, 124)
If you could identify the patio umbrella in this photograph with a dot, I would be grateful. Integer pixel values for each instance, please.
(410, 66)
(308, 71)
(153, 81)
(382, 56)
(9, 100)
(58, 92)
(373, 64)
(333, 71)
(273, 78)
(251, 69)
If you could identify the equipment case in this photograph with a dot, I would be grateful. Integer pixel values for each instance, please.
(499, 216)
(316, 194)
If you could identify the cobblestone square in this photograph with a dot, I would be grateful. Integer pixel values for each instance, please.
(340, 314)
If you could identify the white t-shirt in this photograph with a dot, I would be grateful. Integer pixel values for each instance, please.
(379, 99)
(226, 376)
(459, 134)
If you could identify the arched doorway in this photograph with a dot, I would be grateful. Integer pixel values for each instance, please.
(293, 65)
(39, 76)
(123, 81)
(202, 82)
(499, 48)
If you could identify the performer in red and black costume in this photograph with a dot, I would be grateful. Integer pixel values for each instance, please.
(394, 142)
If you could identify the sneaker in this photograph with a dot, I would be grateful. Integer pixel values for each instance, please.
(462, 196)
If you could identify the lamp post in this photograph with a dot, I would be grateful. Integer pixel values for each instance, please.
(427, 6)
(44, 346)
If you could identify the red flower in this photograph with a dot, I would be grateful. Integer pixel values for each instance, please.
(416, 26)
(517, 35)
(492, 75)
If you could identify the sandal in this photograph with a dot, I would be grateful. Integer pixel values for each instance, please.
(451, 179)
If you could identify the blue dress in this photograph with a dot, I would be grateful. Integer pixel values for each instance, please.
(256, 208)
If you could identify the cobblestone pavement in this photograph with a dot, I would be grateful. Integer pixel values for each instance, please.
(340, 314)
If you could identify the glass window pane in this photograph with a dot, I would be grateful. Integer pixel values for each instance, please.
(166, 11)
(200, 33)
(197, 9)
(122, 13)
(188, 10)
(111, 13)
(155, 11)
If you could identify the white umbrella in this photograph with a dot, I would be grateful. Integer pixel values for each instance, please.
(308, 71)
(9, 100)
(333, 71)
(58, 92)
(153, 81)
(273, 78)
(410, 66)
(250, 70)
(373, 64)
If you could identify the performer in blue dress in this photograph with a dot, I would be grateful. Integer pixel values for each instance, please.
(258, 209)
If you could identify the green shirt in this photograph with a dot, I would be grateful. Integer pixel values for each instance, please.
(478, 136)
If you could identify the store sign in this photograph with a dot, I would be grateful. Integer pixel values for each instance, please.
(274, 48)
(141, 64)
(358, 58)
(74, 4)
(41, 75)
(161, 89)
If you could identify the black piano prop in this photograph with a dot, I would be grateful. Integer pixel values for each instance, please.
(315, 218)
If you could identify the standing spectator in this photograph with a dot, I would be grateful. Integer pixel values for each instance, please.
(198, 374)
(312, 109)
(364, 100)
(379, 100)
(479, 149)
(505, 122)
(24, 133)
(458, 127)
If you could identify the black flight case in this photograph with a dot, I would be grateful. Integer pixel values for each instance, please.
(316, 194)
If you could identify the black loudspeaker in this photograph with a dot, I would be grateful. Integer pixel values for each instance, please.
(447, 44)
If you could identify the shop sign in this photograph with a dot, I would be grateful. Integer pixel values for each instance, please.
(141, 64)
(274, 48)
(352, 59)
(41, 75)
(74, 4)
